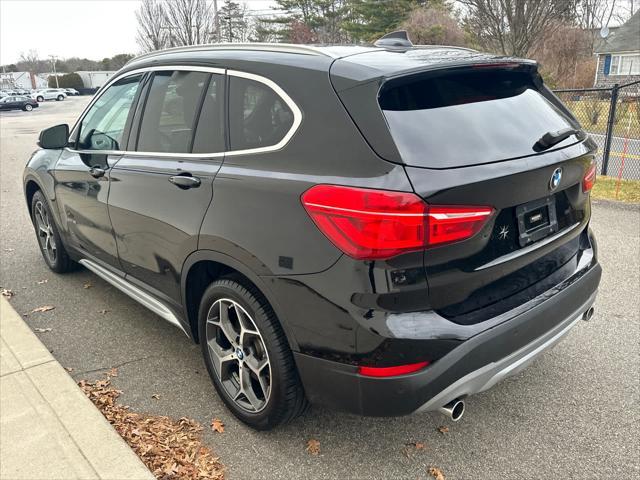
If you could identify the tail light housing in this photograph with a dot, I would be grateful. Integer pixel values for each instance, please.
(369, 224)
(589, 179)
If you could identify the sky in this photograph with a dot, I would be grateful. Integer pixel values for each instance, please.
(92, 29)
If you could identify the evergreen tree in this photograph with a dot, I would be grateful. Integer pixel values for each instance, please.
(371, 19)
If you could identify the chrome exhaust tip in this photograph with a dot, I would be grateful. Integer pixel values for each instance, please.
(454, 409)
(586, 316)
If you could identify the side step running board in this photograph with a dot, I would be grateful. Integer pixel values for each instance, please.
(139, 295)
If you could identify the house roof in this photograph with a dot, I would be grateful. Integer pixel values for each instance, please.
(625, 39)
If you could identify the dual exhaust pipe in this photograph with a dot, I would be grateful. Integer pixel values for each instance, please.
(455, 409)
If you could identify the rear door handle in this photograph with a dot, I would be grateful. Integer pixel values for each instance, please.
(185, 181)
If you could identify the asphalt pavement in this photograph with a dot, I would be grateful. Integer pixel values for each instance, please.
(575, 413)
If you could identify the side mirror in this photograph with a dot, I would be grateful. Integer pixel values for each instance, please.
(54, 137)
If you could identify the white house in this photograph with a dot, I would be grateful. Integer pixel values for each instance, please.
(21, 80)
(95, 79)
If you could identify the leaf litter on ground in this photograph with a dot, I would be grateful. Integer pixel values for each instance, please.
(313, 447)
(42, 330)
(45, 308)
(171, 449)
(436, 473)
(217, 425)
(7, 293)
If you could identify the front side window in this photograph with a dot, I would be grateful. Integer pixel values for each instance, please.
(258, 116)
(103, 126)
(171, 111)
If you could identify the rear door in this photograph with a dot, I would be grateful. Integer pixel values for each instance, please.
(163, 185)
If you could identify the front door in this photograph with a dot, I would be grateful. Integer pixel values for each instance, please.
(83, 171)
(163, 185)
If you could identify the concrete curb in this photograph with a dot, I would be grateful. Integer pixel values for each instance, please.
(48, 428)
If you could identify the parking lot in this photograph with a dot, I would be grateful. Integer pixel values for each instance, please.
(575, 413)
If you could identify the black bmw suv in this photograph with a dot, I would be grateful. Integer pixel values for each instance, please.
(383, 230)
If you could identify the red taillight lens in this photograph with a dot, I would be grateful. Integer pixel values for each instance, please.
(391, 371)
(589, 178)
(375, 224)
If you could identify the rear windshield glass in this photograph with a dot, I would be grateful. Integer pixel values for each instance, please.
(470, 117)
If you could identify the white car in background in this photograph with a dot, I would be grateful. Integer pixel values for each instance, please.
(50, 94)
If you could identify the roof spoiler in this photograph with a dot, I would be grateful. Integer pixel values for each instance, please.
(398, 40)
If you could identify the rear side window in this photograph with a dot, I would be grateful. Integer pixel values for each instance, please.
(170, 112)
(258, 116)
(470, 117)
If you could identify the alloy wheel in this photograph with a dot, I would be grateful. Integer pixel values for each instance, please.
(238, 354)
(46, 237)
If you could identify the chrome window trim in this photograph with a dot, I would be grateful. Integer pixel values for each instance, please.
(297, 113)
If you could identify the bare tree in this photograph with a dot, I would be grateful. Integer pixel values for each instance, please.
(433, 26)
(152, 34)
(189, 22)
(31, 62)
(512, 27)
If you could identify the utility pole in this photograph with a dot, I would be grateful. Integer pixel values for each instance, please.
(53, 60)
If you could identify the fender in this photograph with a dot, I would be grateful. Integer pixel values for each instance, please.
(214, 256)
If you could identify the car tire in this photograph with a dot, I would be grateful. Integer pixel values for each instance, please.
(40, 99)
(271, 392)
(60, 98)
(51, 246)
(28, 108)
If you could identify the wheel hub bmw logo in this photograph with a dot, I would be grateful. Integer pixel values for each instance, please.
(555, 179)
(239, 354)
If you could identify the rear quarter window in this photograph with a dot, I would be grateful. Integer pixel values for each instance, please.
(258, 116)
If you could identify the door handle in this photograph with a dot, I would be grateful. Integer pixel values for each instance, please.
(185, 181)
(97, 172)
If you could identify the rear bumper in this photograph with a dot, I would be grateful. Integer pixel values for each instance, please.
(476, 365)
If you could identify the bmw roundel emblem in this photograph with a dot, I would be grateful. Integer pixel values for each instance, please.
(555, 179)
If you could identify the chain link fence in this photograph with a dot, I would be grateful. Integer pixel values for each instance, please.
(612, 118)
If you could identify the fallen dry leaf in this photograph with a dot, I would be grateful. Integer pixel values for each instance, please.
(104, 311)
(442, 429)
(40, 282)
(436, 473)
(42, 330)
(69, 369)
(87, 285)
(155, 396)
(313, 446)
(411, 447)
(171, 449)
(112, 373)
(46, 308)
(7, 293)
(217, 425)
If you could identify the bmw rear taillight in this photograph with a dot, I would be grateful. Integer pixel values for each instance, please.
(589, 178)
(371, 224)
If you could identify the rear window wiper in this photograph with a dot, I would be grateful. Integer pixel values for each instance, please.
(550, 139)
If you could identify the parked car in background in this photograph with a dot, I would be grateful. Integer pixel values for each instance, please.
(19, 102)
(50, 94)
(71, 91)
(391, 230)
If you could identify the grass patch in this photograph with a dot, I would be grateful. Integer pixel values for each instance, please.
(605, 189)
